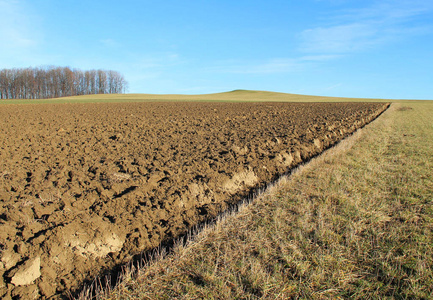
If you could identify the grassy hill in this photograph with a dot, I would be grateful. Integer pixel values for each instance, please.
(232, 96)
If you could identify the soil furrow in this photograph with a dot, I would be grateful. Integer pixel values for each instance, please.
(85, 187)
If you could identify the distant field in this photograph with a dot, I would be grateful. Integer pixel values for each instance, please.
(233, 96)
(357, 222)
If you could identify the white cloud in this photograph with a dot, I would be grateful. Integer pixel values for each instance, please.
(20, 35)
(334, 86)
(109, 43)
(158, 61)
(390, 11)
(355, 30)
(270, 66)
(15, 27)
(278, 65)
(318, 58)
(339, 39)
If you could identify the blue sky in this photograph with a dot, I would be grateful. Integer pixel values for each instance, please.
(358, 48)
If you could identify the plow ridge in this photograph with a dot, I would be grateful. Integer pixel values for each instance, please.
(84, 188)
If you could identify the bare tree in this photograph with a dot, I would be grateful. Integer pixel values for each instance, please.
(53, 82)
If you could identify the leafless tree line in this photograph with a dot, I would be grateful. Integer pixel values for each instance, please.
(54, 82)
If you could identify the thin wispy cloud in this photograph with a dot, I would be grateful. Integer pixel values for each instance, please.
(334, 86)
(279, 65)
(271, 66)
(318, 58)
(389, 11)
(366, 28)
(310, 46)
(15, 27)
(339, 39)
(145, 68)
(109, 43)
(20, 36)
(158, 61)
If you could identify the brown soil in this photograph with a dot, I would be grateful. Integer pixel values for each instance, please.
(83, 187)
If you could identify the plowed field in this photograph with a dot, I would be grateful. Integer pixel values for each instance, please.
(83, 187)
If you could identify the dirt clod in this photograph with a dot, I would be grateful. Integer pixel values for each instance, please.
(84, 187)
(26, 273)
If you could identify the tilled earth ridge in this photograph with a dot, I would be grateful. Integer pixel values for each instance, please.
(83, 187)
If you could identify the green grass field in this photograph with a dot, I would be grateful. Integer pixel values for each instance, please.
(356, 222)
